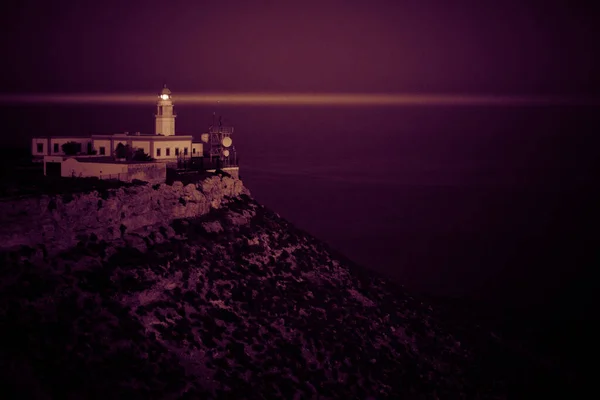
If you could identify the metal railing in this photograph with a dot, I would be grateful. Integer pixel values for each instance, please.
(204, 163)
(120, 176)
(220, 129)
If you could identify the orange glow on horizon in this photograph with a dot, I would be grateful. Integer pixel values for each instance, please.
(299, 99)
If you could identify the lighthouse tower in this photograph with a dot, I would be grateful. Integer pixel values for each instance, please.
(165, 119)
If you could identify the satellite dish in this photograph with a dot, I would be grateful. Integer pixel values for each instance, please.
(226, 141)
(226, 152)
(204, 137)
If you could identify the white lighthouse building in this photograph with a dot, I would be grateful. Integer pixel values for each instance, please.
(95, 155)
(162, 145)
(165, 118)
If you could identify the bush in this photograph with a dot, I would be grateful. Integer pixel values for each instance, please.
(139, 155)
(51, 205)
(67, 198)
(123, 151)
(71, 148)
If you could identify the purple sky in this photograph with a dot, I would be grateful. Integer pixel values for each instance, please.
(461, 46)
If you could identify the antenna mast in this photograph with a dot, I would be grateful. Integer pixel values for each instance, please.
(220, 142)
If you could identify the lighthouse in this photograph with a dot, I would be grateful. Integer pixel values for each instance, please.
(165, 118)
(162, 147)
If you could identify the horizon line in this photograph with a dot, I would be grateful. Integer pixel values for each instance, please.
(301, 99)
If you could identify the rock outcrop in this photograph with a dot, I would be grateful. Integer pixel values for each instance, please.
(236, 303)
(56, 223)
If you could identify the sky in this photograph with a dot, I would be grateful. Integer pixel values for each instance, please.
(424, 46)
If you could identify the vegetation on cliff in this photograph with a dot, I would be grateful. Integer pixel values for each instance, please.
(237, 303)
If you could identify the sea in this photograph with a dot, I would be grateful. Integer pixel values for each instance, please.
(489, 203)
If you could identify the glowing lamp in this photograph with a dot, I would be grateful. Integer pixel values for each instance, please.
(164, 96)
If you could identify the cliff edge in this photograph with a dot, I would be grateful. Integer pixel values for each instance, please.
(198, 291)
(58, 222)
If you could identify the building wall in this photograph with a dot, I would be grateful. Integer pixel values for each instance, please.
(34, 146)
(153, 172)
(150, 172)
(73, 168)
(48, 145)
(62, 140)
(56, 159)
(165, 126)
(102, 143)
(165, 118)
(141, 144)
(171, 144)
(110, 142)
(199, 148)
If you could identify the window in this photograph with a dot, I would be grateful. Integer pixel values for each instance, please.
(185, 153)
(102, 150)
(56, 147)
(176, 151)
(168, 151)
(79, 147)
(40, 147)
(158, 152)
(194, 150)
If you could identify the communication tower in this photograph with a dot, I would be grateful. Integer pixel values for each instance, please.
(220, 144)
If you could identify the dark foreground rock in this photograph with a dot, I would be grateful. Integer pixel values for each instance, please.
(233, 304)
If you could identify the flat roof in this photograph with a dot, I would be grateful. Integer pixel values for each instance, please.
(144, 137)
(61, 137)
(115, 135)
(112, 160)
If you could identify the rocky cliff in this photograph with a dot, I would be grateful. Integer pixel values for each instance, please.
(55, 223)
(207, 294)
(234, 303)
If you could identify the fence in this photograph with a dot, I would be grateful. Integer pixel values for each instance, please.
(220, 129)
(204, 163)
(121, 176)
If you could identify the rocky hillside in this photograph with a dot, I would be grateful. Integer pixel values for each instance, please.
(57, 222)
(235, 303)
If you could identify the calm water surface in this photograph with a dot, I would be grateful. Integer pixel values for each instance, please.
(489, 202)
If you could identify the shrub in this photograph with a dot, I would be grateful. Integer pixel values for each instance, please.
(139, 155)
(52, 205)
(67, 198)
(123, 151)
(71, 148)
